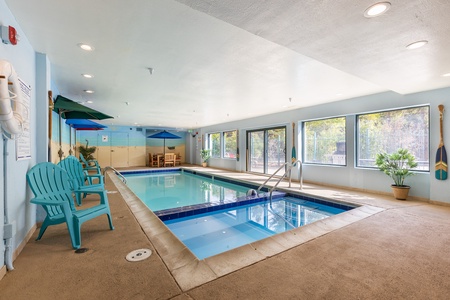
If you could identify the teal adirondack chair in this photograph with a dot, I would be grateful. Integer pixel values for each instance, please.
(81, 179)
(51, 186)
(90, 165)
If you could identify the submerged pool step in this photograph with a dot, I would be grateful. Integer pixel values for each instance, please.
(186, 211)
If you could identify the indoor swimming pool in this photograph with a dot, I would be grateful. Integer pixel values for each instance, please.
(211, 216)
(215, 232)
(173, 189)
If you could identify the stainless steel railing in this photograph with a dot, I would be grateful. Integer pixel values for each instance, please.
(115, 171)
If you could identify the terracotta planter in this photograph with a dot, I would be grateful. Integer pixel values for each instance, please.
(400, 192)
(204, 164)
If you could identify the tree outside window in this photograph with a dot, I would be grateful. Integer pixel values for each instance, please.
(214, 144)
(324, 141)
(390, 130)
(230, 144)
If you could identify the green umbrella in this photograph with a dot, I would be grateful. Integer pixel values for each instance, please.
(68, 109)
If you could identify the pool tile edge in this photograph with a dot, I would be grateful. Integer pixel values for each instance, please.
(189, 272)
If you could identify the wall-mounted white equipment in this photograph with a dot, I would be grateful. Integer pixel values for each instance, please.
(11, 105)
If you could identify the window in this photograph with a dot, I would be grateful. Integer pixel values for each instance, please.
(214, 144)
(230, 144)
(324, 141)
(390, 130)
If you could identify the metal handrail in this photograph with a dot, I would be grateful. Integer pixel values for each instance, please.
(115, 171)
(271, 176)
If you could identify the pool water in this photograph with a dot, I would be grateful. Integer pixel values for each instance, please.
(215, 232)
(165, 190)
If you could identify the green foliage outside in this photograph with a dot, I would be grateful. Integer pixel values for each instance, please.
(230, 143)
(390, 130)
(396, 165)
(322, 138)
(215, 144)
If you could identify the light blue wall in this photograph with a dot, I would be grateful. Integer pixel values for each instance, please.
(21, 213)
(423, 184)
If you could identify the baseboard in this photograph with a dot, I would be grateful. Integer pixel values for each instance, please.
(18, 250)
(24, 242)
(2, 272)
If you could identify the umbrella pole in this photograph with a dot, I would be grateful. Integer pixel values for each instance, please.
(70, 137)
(50, 113)
(60, 152)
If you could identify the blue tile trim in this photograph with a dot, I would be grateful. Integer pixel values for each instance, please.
(150, 171)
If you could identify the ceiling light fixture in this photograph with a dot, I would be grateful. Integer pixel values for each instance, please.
(416, 45)
(377, 9)
(86, 47)
(446, 75)
(87, 75)
(89, 91)
(90, 101)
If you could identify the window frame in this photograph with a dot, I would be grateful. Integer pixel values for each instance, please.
(210, 144)
(303, 124)
(224, 139)
(357, 142)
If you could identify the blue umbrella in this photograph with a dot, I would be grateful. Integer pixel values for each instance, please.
(164, 135)
(83, 123)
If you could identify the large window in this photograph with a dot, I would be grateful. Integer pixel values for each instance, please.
(266, 150)
(390, 130)
(230, 144)
(214, 144)
(324, 141)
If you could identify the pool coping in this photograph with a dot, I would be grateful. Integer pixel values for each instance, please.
(190, 272)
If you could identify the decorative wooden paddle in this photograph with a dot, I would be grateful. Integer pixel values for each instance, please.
(441, 154)
(294, 154)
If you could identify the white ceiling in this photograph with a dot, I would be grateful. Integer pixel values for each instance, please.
(219, 61)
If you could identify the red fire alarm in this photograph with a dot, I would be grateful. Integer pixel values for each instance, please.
(9, 35)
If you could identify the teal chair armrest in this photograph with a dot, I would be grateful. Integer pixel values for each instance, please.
(42, 201)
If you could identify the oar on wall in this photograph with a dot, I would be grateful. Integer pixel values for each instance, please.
(294, 154)
(441, 154)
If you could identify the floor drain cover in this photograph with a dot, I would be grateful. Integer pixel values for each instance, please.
(138, 255)
(81, 250)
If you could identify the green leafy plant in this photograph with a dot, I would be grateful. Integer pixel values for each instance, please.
(87, 151)
(397, 165)
(205, 154)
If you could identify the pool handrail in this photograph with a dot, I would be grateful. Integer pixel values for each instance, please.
(298, 163)
(115, 171)
(271, 176)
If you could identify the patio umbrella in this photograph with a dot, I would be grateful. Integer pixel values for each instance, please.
(164, 135)
(82, 124)
(68, 109)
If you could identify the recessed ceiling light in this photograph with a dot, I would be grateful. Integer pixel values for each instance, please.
(377, 9)
(446, 75)
(89, 91)
(87, 75)
(86, 47)
(89, 101)
(416, 45)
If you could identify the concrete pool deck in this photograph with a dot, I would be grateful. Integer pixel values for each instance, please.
(384, 249)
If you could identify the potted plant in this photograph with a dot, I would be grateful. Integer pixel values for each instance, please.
(397, 165)
(205, 155)
(87, 151)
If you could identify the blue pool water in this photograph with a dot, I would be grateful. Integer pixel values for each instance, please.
(212, 216)
(161, 191)
(219, 231)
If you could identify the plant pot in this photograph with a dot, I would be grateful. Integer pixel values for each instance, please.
(400, 192)
(204, 164)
